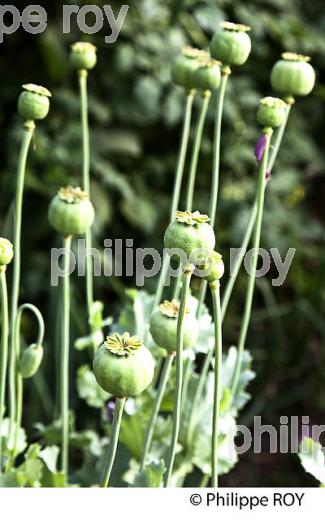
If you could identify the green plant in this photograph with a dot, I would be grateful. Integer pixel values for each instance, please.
(293, 75)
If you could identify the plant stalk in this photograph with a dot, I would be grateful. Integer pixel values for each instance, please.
(187, 274)
(215, 292)
(4, 349)
(29, 128)
(252, 274)
(118, 413)
(64, 361)
(156, 407)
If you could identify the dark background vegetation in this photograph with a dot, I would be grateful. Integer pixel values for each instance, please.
(135, 115)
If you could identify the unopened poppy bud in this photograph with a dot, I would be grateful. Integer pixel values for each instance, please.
(34, 102)
(231, 44)
(293, 75)
(6, 252)
(83, 56)
(30, 361)
(271, 112)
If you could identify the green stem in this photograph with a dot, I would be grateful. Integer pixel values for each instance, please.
(29, 128)
(4, 350)
(253, 269)
(83, 76)
(156, 407)
(19, 379)
(64, 361)
(196, 149)
(118, 412)
(216, 167)
(177, 188)
(187, 274)
(232, 280)
(215, 292)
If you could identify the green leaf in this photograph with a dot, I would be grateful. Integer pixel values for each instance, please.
(89, 389)
(246, 376)
(312, 458)
(21, 439)
(30, 472)
(151, 475)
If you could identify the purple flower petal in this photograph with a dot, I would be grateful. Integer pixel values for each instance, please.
(260, 147)
(110, 407)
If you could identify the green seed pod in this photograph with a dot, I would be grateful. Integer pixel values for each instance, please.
(83, 56)
(293, 75)
(185, 65)
(231, 45)
(123, 367)
(34, 102)
(6, 252)
(71, 212)
(271, 112)
(214, 268)
(30, 361)
(207, 76)
(190, 232)
(163, 327)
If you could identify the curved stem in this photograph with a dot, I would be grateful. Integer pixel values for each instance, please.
(187, 274)
(118, 413)
(4, 350)
(215, 292)
(83, 75)
(156, 407)
(29, 128)
(64, 361)
(177, 188)
(19, 379)
(196, 149)
(253, 269)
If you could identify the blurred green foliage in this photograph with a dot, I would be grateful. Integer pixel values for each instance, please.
(135, 124)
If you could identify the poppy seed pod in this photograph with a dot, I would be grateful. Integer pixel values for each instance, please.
(192, 234)
(207, 76)
(293, 75)
(213, 267)
(30, 361)
(83, 56)
(271, 112)
(34, 102)
(6, 252)
(71, 212)
(123, 367)
(231, 45)
(163, 327)
(185, 65)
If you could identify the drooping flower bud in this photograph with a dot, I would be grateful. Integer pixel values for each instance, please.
(231, 44)
(293, 75)
(30, 361)
(34, 102)
(271, 112)
(83, 56)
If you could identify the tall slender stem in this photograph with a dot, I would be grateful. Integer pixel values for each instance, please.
(216, 165)
(177, 187)
(64, 361)
(29, 128)
(215, 292)
(187, 274)
(232, 280)
(83, 76)
(156, 407)
(118, 413)
(4, 349)
(196, 149)
(253, 269)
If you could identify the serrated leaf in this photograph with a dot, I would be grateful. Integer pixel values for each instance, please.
(312, 458)
(89, 389)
